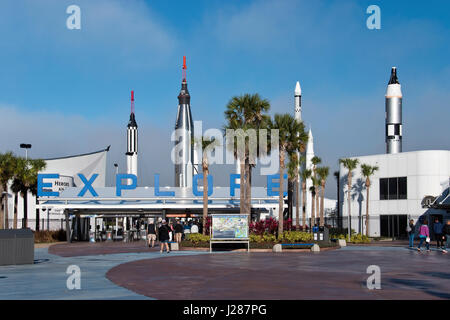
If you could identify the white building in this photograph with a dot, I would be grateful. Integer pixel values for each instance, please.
(68, 169)
(397, 191)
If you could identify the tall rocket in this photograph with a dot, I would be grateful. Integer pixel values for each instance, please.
(184, 133)
(298, 102)
(298, 118)
(394, 114)
(132, 141)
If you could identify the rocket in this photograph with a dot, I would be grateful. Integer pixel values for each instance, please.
(298, 102)
(132, 141)
(394, 114)
(298, 118)
(184, 133)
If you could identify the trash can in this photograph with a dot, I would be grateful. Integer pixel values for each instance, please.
(16, 247)
(321, 234)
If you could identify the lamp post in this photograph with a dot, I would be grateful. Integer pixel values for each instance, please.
(25, 146)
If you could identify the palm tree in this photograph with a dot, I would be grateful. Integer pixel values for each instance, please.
(248, 111)
(367, 171)
(7, 165)
(322, 172)
(290, 134)
(315, 161)
(25, 179)
(292, 177)
(305, 175)
(207, 145)
(336, 175)
(350, 165)
(313, 190)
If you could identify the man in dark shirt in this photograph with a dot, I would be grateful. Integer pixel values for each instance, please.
(178, 231)
(151, 233)
(446, 235)
(437, 228)
(164, 237)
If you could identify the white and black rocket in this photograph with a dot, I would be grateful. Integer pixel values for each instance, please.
(184, 133)
(394, 114)
(132, 141)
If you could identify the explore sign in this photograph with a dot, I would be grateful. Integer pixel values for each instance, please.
(45, 188)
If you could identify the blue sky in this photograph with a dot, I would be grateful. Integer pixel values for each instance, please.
(67, 91)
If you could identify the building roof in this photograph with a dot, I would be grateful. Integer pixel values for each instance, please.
(443, 201)
(80, 155)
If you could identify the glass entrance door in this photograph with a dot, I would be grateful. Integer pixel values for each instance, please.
(393, 226)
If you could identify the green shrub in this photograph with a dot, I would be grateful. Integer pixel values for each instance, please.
(296, 236)
(267, 237)
(197, 238)
(358, 238)
(256, 238)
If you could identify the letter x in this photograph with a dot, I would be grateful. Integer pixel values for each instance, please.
(88, 185)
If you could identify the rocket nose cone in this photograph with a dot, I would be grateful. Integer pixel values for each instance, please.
(298, 89)
(393, 79)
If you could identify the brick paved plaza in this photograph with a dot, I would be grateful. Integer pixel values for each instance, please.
(118, 271)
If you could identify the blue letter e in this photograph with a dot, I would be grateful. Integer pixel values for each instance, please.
(41, 185)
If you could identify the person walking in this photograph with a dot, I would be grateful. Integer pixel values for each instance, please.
(411, 229)
(437, 228)
(164, 237)
(151, 233)
(424, 235)
(446, 233)
(178, 231)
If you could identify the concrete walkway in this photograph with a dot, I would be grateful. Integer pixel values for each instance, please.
(336, 274)
(46, 279)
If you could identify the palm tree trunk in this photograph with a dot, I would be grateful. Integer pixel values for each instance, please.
(6, 209)
(349, 206)
(25, 210)
(367, 212)
(313, 209)
(242, 189)
(317, 204)
(291, 186)
(322, 200)
(304, 204)
(297, 202)
(205, 195)
(280, 199)
(16, 200)
(248, 190)
(1, 207)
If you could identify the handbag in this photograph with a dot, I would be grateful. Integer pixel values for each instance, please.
(428, 240)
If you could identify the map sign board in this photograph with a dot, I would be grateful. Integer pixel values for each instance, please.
(229, 227)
